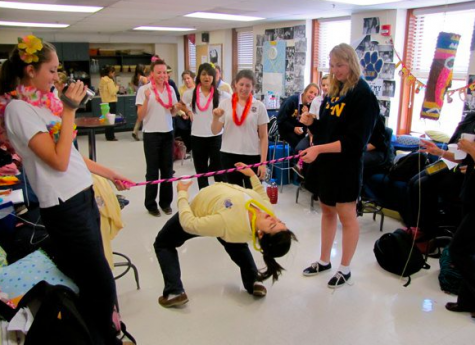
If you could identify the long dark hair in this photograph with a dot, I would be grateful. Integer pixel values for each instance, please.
(106, 70)
(208, 68)
(274, 246)
(139, 72)
(13, 69)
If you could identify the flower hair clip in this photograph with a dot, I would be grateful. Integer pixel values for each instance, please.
(28, 47)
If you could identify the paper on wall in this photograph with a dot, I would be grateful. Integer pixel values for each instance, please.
(272, 82)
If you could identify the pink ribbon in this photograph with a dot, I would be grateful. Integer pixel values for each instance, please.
(211, 173)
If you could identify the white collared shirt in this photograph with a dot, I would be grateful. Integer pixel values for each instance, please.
(242, 139)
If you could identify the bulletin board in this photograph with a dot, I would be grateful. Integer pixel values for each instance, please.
(202, 55)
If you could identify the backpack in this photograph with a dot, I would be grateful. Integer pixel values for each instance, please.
(57, 319)
(396, 254)
(179, 150)
(272, 128)
(408, 166)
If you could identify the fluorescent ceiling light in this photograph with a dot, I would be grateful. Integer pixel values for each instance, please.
(222, 16)
(162, 28)
(50, 8)
(364, 2)
(37, 25)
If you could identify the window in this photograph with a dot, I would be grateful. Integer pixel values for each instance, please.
(245, 47)
(428, 23)
(192, 53)
(331, 33)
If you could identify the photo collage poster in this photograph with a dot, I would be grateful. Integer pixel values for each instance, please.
(268, 82)
(377, 62)
(469, 104)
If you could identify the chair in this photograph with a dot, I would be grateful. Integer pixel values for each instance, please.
(128, 265)
(284, 150)
(111, 224)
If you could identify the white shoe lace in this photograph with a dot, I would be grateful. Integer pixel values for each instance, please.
(340, 276)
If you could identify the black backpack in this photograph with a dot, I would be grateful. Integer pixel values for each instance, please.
(396, 254)
(408, 166)
(57, 320)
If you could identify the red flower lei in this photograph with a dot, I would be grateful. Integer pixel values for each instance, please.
(245, 112)
(169, 105)
(210, 97)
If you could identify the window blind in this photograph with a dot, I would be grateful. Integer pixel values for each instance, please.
(192, 55)
(331, 33)
(427, 27)
(245, 43)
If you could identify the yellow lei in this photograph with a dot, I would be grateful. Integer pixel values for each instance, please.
(254, 217)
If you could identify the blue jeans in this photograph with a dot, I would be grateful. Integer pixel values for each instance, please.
(173, 236)
(74, 229)
(158, 148)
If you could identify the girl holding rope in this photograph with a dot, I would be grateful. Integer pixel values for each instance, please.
(41, 129)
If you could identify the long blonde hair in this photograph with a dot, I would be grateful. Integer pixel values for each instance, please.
(345, 53)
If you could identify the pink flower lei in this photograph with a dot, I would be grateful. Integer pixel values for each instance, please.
(40, 99)
(210, 98)
(169, 104)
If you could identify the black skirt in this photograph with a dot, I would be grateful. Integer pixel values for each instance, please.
(335, 178)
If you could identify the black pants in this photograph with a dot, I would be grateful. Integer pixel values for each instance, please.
(158, 148)
(110, 135)
(431, 190)
(462, 252)
(74, 229)
(173, 236)
(229, 159)
(206, 157)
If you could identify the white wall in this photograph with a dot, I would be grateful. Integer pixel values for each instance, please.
(224, 37)
(10, 36)
(397, 20)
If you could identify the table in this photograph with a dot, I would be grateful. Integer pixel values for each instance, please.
(91, 124)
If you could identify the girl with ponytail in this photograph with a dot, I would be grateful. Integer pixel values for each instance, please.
(41, 129)
(235, 216)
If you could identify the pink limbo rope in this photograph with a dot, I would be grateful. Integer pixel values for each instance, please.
(212, 173)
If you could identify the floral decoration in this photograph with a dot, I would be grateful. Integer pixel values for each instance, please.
(29, 46)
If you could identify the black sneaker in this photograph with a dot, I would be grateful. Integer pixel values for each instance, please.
(316, 268)
(338, 280)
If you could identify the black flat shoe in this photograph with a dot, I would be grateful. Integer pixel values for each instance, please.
(453, 306)
(155, 212)
(167, 210)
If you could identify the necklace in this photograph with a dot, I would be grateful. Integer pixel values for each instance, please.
(210, 97)
(157, 97)
(245, 112)
(40, 99)
(253, 220)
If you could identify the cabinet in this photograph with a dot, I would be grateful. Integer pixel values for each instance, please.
(75, 51)
(68, 51)
(122, 60)
(74, 56)
(125, 106)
